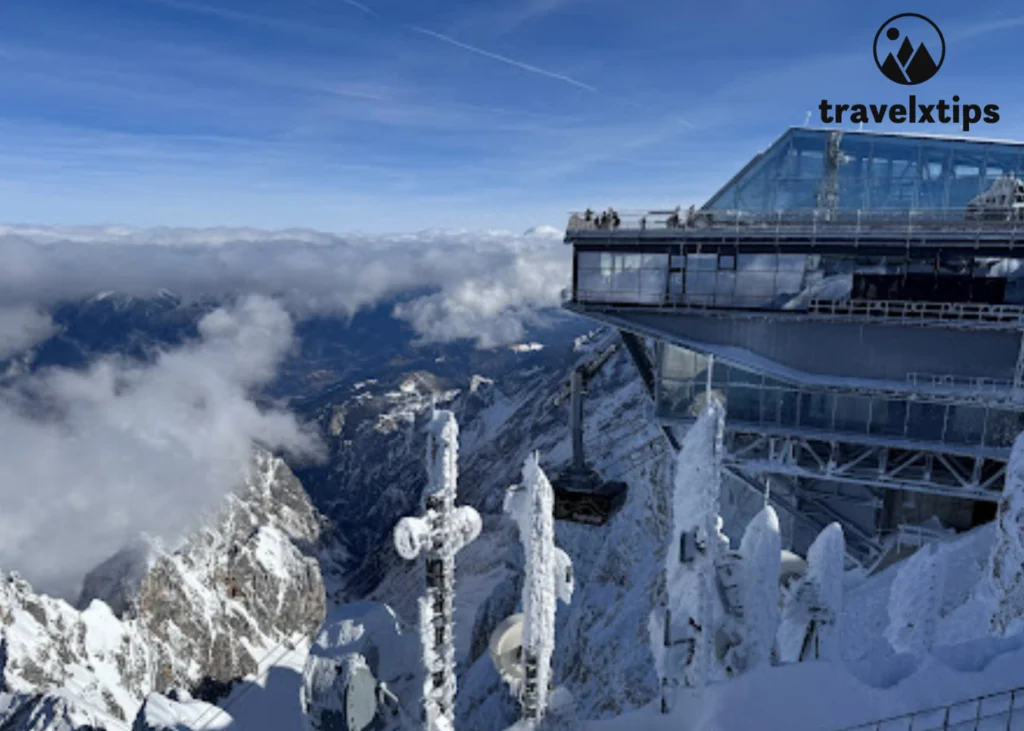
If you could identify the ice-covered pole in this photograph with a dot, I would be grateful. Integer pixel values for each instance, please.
(547, 579)
(683, 631)
(439, 533)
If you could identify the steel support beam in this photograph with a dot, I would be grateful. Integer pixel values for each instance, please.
(645, 366)
(875, 466)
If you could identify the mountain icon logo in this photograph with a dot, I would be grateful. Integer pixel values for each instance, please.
(909, 49)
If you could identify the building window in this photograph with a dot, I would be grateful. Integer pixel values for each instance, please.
(726, 261)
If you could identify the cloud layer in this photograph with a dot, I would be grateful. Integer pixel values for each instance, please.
(483, 286)
(21, 327)
(91, 458)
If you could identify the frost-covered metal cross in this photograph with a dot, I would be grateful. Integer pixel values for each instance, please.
(439, 534)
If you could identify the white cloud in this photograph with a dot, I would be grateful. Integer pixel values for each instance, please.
(21, 327)
(92, 458)
(484, 286)
(491, 307)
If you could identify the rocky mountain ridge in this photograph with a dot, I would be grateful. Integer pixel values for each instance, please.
(198, 616)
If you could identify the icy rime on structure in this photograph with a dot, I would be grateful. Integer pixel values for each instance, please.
(914, 601)
(548, 578)
(683, 633)
(440, 533)
(1003, 584)
(760, 552)
(809, 628)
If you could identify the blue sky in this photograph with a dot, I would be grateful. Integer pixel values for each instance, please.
(393, 115)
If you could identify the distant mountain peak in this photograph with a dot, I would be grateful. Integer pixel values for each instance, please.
(544, 231)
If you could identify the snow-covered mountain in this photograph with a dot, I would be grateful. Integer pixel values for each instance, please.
(188, 620)
(164, 618)
(197, 616)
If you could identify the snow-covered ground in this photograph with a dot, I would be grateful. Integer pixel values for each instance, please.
(871, 681)
(821, 696)
(271, 699)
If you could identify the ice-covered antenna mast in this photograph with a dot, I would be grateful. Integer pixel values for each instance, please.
(439, 533)
(547, 579)
(683, 631)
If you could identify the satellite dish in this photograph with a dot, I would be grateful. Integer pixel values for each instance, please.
(506, 648)
(360, 701)
(411, 535)
(792, 567)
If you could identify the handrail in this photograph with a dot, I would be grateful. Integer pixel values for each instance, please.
(973, 714)
(978, 384)
(889, 311)
(913, 221)
(916, 310)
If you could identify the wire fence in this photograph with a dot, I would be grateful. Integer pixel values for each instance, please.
(1002, 711)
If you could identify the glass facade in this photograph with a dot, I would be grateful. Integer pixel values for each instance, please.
(878, 172)
(761, 401)
(612, 277)
(792, 281)
(703, 280)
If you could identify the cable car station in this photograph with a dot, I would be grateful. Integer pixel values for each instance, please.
(856, 300)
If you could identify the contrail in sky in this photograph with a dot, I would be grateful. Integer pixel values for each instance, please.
(503, 59)
(368, 11)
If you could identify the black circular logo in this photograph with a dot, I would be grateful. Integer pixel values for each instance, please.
(909, 48)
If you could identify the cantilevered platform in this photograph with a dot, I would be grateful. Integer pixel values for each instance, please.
(857, 303)
(800, 232)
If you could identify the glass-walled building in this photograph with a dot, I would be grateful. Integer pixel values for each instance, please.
(859, 309)
(760, 401)
(876, 171)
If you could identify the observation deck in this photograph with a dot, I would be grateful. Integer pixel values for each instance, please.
(910, 289)
(857, 301)
(861, 349)
(811, 231)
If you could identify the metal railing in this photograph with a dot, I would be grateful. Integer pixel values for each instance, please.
(850, 223)
(908, 310)
(970, 314)
(1002, 711)
(979, 384)
(914, 536)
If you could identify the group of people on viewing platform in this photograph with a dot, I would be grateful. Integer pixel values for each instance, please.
(610, 219)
